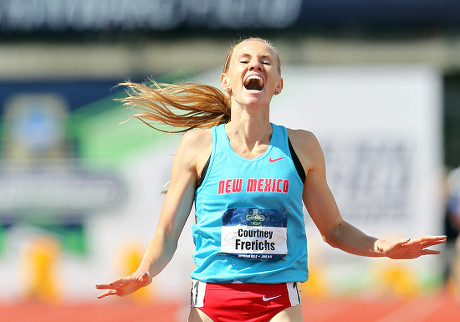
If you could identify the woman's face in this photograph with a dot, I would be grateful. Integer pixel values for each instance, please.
(252, 76)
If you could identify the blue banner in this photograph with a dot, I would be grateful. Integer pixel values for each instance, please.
(62, 16)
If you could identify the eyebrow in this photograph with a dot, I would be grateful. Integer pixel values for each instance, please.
(265, 56)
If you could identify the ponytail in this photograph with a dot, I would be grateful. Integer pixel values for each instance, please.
(181, 107)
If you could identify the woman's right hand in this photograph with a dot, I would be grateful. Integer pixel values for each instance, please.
(126, 285)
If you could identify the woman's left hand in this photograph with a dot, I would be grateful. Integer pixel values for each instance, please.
(409, 248)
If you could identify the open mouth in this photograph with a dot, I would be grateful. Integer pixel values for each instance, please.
(254, 83)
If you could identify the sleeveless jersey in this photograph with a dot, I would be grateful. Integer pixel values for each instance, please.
(249, 220)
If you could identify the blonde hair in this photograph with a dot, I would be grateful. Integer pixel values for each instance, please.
(181, 107)
(185, 106)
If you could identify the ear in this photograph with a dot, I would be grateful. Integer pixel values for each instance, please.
(225, 81)
(279, 87)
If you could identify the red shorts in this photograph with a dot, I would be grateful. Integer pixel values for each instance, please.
(249, 302)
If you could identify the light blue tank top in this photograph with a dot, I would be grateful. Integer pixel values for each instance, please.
(249, 220)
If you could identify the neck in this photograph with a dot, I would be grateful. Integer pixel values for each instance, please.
(249, 127)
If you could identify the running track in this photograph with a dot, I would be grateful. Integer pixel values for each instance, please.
(436, 308)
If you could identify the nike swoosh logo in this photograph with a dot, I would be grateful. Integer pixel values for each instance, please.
(269, 298)
(274, 160)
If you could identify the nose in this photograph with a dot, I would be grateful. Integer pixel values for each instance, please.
(255, 65)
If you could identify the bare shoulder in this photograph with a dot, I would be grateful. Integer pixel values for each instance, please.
(304, 140)
(197, 138)
(307, 147)
(195, 148)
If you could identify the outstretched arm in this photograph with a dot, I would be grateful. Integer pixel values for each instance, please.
(334, 229)
(175, 211)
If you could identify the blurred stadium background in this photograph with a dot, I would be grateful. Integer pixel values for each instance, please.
(378, 83)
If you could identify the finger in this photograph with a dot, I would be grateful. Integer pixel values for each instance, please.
(117, 283)
(103, 286)
(107, 293)
(431, 243)
(434, 240)
(427, 241)
(439, 239)
(430, 252)
(109, 286)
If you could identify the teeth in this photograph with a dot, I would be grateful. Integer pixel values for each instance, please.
(254, 77)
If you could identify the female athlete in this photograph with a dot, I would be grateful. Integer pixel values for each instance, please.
(249, 179)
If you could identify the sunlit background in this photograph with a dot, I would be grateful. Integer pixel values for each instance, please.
(378, 82)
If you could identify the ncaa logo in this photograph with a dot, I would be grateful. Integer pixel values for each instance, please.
(255, 218)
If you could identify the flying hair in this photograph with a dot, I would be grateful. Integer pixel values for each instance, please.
(181, 107)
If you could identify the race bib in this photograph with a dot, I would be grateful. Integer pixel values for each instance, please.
(257, 234)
